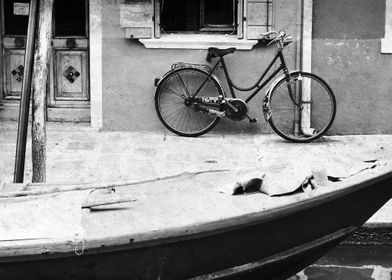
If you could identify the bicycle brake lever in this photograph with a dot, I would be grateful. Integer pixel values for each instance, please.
(272, 41)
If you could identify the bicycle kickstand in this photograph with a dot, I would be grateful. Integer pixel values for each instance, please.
(252, 120)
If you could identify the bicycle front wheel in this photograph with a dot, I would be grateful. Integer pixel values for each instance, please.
(176, 107)
(302, 110)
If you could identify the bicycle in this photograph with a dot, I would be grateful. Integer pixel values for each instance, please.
(299, 106)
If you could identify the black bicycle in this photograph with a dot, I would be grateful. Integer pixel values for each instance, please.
(299, 106)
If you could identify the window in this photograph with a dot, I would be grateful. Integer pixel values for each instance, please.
(16, 17)
(218, 15)
(70, 17)
(197, 23)
(197, 16)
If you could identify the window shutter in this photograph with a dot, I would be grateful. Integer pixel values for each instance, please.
(240, 18)
(157, 18)
(137, 18)
(258, 18)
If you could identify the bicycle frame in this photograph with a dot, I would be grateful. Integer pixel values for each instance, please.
(258, 85)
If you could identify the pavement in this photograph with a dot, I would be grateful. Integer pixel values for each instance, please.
(78, 153)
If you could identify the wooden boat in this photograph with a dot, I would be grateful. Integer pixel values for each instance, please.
(179, 227)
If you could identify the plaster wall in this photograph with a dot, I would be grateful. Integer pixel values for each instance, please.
(346, 52)
(129, 70)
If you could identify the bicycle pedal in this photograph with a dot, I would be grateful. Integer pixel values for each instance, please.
(253, 120)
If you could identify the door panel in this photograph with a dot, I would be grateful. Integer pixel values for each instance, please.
(14, 28)
(70, 75)
(14, 66)
(71, 82)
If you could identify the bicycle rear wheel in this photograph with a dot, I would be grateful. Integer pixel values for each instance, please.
(314, 115)
(177, 109)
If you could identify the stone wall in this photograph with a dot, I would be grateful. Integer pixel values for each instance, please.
(129, 71)
(347, 53)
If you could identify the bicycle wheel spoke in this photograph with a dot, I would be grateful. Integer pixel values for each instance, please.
(182, 84)
(174, 92)
(174, 113)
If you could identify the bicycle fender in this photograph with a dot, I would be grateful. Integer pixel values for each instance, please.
(267, 96)
(213, 76)
(158, 82)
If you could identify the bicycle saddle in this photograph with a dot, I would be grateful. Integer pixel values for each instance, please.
(220, 52)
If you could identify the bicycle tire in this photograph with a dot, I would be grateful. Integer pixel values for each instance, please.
(171, 107)
(313, 120)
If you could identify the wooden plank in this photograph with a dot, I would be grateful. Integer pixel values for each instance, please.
(42, 188)
(138, 32)
(106, 200)
(61, 43)
(40, 78)
(137, 18)
(157, 18)
(240, 19)
(138, 14)
(59, 114)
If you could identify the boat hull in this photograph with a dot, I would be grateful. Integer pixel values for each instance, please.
(271, 248)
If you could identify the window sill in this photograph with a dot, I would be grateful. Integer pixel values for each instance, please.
(198, 41)
(386, 45)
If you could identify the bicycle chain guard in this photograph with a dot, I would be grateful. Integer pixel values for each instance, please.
(234, 108)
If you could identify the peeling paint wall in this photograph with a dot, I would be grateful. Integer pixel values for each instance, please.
(346, 53)
(129, 70)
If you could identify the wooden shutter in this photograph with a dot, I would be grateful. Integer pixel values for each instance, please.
(240, 18)
(137, 18)
(258, 18)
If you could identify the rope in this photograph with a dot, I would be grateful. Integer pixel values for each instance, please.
(81, 247)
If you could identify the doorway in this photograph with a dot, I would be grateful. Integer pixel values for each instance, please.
(68, 97)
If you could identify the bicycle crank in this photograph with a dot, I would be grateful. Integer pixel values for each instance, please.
(236, 109)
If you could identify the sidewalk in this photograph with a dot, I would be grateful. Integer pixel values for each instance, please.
(77, 153)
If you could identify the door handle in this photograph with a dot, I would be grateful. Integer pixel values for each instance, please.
(20, 42)
(70, 43)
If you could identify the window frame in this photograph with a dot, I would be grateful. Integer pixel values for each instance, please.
(141, 21)
(236, 29)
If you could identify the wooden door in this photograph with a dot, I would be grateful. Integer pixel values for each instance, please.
(13, 40)
(68, 97)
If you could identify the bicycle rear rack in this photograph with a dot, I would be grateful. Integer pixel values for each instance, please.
(203, 67)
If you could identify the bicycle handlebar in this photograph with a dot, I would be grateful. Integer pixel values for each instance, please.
(279, 34)
(280, 38)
